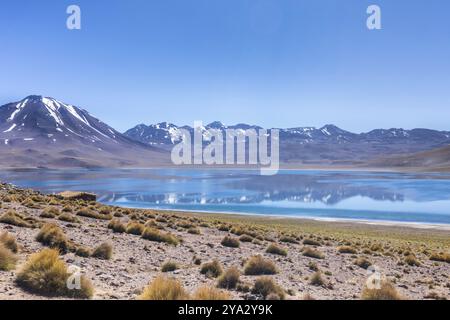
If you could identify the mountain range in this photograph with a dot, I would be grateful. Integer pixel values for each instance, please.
(44, 132)
(328, 145)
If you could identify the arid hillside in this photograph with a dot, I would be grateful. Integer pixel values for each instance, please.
(434, 160)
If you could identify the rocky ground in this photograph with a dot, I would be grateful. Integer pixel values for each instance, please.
(404, 256)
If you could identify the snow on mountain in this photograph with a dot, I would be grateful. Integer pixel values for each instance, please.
(157, 134)
(41, 117)
(311, 145)
(166, 133)
(37, 125)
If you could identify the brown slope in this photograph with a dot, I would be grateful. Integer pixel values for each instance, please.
(435, 160)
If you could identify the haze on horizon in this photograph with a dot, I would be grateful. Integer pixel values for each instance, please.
(274, 63)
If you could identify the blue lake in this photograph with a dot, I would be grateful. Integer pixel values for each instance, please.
(377, 196)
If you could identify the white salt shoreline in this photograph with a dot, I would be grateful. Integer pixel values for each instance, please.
(386, 223)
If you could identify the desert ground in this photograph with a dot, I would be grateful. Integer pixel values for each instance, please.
(127, 253)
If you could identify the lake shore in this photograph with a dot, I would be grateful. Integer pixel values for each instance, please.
(269, 218)
(316, 259)
(287, 167)
(418, 200)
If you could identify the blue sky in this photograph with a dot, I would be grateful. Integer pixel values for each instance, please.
(277, 63)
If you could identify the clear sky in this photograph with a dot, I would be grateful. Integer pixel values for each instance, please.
(276, 63)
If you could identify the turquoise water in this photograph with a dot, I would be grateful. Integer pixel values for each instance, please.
(377, 196)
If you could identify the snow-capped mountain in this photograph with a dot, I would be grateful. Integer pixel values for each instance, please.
(161, 133)
(37, 117)
(328, 144)
(40, 125)
(167, 134)
(329, 133)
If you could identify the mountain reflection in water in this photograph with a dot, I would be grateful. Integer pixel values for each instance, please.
(322, 194)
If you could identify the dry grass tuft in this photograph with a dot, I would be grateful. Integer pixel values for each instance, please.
(6, 199)
(274, 249)
(212, 269)
(185, 225)
(376, 247)
(163, 288)
(67, 208)
(412, 261)
(52, 211)
(103, 251)
(230, 242)
(223, 227)
(288, 239)
(116, 226)
(347, 250)
(48, 213)
(440, 257)
(385, 292)
(13, 218)
(135, 228)
(237, 230)
(152, 234)
(229, 279)
(312, 242)
(210, 293)
(9, 242)
(434, 296)
(44, 273)
(316, 279)
(169, 266)
(313, 266)
(257, 265)
(53, 236)
(245, 238)
(266, 287)
(151, 224)
(363, 263)
(312, 253)
(29, 203)
(7, 258)
(68, 217)
(161, 219)
(194, 230)
(105, 210)
(89, 213)
(83, 252)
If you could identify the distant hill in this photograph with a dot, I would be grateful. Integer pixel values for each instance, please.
(436, 160)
